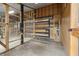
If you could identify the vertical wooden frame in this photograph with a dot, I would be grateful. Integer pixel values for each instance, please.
(43, 11)
(34, 16)
(73, 43)
(51, 10)
(6, 34)
(38, 12)
(46, 9)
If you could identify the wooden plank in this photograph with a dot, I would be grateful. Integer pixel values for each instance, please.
(34, 24)
(42, 32)
(3, 44)
(6, 38)
(68, 21)
(42, 11)
(41, 22)
(46, 14)
(50, 10)
(41, 26)
(38, 12)
(55, 9)
(73, 47)
(42, 36)
(45, 23)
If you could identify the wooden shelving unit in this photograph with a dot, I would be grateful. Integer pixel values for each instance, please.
(42, 27)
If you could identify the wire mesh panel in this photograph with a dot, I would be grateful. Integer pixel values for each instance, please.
(14, 34)
(12, 23)
(28, 29)
(2, 28)
(2, 20)
(28, 24)
(14, 28)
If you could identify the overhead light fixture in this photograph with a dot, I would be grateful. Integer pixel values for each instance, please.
(11, 12)
(36, 3)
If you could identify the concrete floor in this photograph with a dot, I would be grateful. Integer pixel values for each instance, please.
(37, 48)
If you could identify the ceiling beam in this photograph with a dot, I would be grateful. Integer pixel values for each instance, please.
(27, 6)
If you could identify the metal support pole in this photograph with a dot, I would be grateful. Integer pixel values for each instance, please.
(49, 22)
(49, 27)
(21, 22)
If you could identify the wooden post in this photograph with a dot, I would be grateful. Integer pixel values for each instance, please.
(73, 46)
(34, 16)
(6, 34)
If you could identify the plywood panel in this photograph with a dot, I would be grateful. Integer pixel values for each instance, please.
(42, 9)
(36, 13)
(46, 11)
(40, 12)
(49, 10)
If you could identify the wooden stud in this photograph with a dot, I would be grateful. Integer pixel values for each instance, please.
(3, 44)
(73, 43)
(33, 17)
(38, 13)
(43, 11)
(6, 35)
